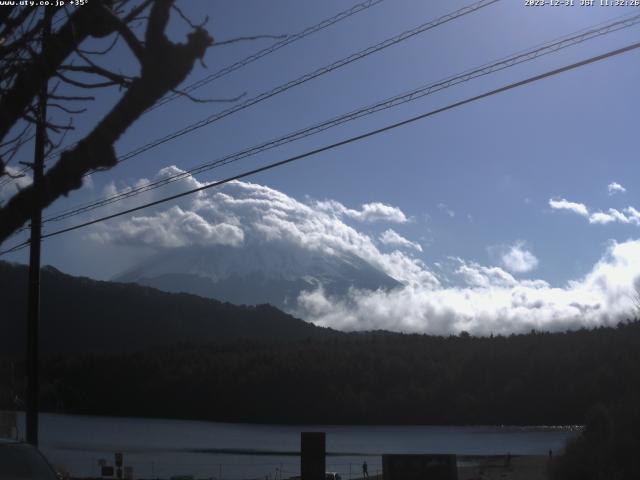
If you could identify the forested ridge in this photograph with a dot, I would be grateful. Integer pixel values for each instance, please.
(532, 379)
(81, 315)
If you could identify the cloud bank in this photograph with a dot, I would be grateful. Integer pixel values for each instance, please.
(463, 295)
(239, 213)
(174, 228)
(492, 301)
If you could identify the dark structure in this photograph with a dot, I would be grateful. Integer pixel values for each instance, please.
(419, 467)
(312, 455)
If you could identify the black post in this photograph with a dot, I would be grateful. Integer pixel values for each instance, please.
(33, 307)
(312, 455)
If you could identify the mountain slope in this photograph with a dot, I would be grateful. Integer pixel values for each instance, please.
(258, 273)
(84, 315)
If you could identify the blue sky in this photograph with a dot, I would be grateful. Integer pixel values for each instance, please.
(475, 183)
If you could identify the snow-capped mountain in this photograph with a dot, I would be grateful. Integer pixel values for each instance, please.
(257, 273)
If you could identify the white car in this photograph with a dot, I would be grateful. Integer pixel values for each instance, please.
(21, 461)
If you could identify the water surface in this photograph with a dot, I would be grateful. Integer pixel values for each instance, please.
(160, 448)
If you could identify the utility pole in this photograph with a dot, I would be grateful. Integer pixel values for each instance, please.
(33, 307)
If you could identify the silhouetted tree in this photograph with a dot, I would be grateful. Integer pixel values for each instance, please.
(25, 65)
(608, 447)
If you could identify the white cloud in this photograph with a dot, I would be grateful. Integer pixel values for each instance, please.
(171, 229)
(370, 212)
(519, 260)
(373, 212)
(477, 275)
(487, 298)
(242, 212)
(615, 187)
(446, 210)
(574, 207)
(612, 215)
(492, 301)
(393, 238)
(12, 187)
(628, 215)
(633, 215)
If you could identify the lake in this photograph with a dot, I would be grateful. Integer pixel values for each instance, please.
(160, 448)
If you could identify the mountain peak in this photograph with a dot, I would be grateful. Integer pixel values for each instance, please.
(274, 273)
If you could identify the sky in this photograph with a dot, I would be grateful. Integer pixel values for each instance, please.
(514, 212)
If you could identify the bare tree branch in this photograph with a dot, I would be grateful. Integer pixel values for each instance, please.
(81, 84)
(188, 20)
(114, 78)
(86, 21)
(8, 155)
(133, 14)
(208, 100)
(55, 145)
(132, 41)
(77, 98)
(101, 52)
(10, 24)
(158, 19)
(21, 41)
(17, 137)
(71, 111)
(245, 39)
(164, 65)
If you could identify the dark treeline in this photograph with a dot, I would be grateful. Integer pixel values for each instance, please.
(533, 379)
(80, 315)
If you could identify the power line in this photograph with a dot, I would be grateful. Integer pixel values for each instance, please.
(310, 76)
(266, 51)
(347, 141)
(551, 47)
(258, 55)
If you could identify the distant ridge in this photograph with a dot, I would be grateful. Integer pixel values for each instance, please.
(258, 273)
(81, 315)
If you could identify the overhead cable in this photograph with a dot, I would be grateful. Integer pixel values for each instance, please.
(397, 100)
(347, 141)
